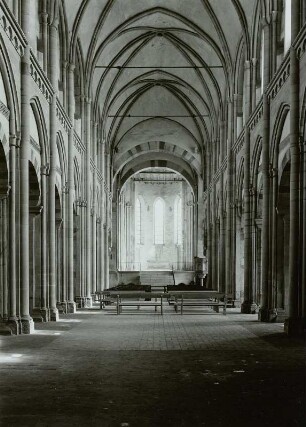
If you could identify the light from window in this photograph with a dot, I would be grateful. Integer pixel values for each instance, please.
(178, 221)
(287, 25)
(159, 212)
(138, 222)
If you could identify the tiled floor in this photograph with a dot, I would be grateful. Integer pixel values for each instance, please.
(95, 368)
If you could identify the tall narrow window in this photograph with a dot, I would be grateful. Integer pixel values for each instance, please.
(287, 25)
(138, 222)
(178, 221)
(262, 60)
(159, 213)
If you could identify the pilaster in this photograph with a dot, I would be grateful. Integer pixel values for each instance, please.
(88, 208)
(71, 307)
(27, 324)
(53, 58)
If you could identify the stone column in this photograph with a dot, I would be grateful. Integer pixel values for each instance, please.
(274, 18)
(83, 249)
(64, 239)
(266, 312)
(222, 140)
(108, 215)
(94, 211)
(247, 90)
(16, 9)
(53, 59)
(213, 240)
(4, 254)
(222, 237)
(27, 325)
(303, 296)
(209, 231)
(44, 34)
(88, 209)
(13, 321)
(235, 114)
(294, 324)
(2, 245)
(248, 305)
(106, 257)
(229, 202)
(64, 82)
(253, 92)
(274, 231)
(70, 217)
(44, 302)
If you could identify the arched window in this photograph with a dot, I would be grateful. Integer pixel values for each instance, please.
(178, 221)
(138, 222)
(159, 213)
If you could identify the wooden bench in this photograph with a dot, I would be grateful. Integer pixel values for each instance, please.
(138, 299)
(104, 298)
(203, 298)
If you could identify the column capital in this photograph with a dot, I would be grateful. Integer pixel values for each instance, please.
(65, 188)
(272, 171)
(44, 17)
(247, 64)
(45, 169)
(13, 140)
(71, 67)
(252, 191)
(265, 22)
(254, 62)
(274, 15)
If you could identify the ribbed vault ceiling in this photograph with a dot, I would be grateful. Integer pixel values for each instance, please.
(156, 106)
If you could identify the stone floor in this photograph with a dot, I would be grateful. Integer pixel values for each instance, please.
(95, 368)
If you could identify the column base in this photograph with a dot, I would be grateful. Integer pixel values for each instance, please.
(267, 315)
(295, 327)
(71, 307)
(84, 302)
(5, 329)
(53, 314)
(14, 324)
(62, 307)
(44, 312)
(37, 315)
(27, 325)
(88, 302)
(282, 315)
(249, 307)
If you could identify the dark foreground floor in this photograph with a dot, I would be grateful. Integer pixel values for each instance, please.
(202, 369)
